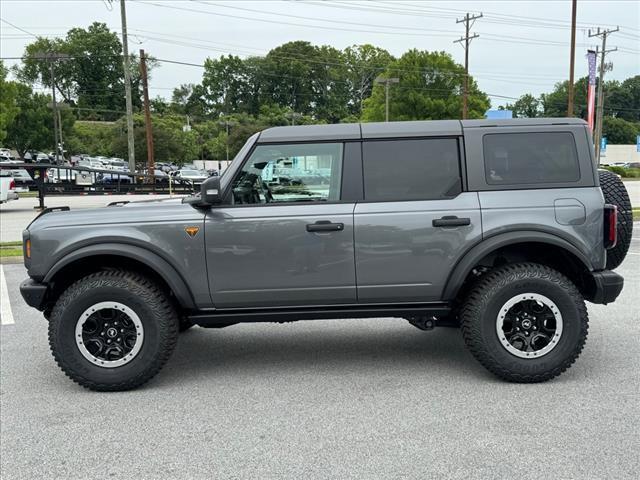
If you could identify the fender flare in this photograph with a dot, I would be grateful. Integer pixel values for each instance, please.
(152, 260)
(480, 250)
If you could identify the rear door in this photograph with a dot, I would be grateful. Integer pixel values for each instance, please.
(415, 221)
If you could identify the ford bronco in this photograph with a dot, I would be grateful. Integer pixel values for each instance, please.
(501, 228)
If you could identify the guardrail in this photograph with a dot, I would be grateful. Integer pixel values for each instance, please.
(51, 179)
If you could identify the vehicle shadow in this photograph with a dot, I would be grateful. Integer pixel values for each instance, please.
(252, 349)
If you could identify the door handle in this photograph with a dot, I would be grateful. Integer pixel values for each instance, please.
(451, 221)
(325, 226)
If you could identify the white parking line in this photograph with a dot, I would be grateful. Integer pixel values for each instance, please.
(6, 315)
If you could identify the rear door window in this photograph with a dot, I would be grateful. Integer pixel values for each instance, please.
(530, 158)
(414, 169)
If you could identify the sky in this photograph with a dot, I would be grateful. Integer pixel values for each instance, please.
(523, 45)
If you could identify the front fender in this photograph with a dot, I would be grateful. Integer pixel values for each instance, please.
(152, 260)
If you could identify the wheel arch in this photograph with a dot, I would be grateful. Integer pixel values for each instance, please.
(118, 255)
(527, 246)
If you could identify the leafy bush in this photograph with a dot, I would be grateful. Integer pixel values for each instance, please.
(624, 172)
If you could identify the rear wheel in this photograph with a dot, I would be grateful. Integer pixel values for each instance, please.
(616, 194)
(112, 330)
(525, 322)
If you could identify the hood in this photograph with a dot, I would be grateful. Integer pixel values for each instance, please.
(136, 212)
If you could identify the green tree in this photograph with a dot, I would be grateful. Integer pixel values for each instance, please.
(307, 79)
(430, 89)
(363, 64)
(32, 126)
(620, 131)
(229, 85)
(623, 99)
(527, 106)
(92, 77)
(8, 106)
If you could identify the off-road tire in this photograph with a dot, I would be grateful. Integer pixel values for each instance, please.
(616, 194)
(145, 298)
(482, 305)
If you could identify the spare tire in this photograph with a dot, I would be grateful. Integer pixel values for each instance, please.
(616, 194)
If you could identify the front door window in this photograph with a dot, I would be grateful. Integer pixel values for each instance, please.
(290, 173)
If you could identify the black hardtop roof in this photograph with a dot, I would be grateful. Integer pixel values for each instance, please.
(422, 128)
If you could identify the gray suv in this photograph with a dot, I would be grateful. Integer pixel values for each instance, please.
(500, 228)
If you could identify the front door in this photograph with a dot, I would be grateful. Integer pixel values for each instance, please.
(286, 239)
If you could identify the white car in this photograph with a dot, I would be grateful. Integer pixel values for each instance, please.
(7, 189)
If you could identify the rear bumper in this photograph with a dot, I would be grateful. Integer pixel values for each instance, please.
(34, 293)
(606, 286)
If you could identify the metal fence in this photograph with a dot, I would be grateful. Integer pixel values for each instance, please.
(47, 179)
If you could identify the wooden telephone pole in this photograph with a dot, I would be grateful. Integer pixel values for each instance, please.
(147, 113)
(468, 21)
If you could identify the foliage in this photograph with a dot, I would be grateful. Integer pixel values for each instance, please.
(363, 64)
(429, 89)
(32, 126)
(623, 172)
(92, 77)
(620, 131)
(527, 106)
(8, 106)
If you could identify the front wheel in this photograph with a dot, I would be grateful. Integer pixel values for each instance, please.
(112, 330)
(525, 322)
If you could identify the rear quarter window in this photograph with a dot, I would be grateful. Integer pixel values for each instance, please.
(530, 158)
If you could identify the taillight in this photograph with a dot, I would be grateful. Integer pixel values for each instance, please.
(610, 226)
(27, 248)
(12, 184)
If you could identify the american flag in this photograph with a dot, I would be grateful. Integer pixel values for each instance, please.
(591, 92)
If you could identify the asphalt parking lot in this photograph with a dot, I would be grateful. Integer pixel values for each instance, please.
(325, 399)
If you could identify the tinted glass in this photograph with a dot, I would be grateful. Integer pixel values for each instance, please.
(521, 158)
(421, 169)
(290, 173)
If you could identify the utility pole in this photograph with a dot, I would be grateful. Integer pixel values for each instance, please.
(468, 21)
(55, 111)
(147, 113)
(387, 82)
(574, 8)
(127, 88)
(51, 57)
(600, 100)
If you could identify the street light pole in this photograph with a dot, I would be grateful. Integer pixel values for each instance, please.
(127, 88)
(387, 84)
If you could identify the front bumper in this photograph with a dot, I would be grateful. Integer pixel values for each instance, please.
(34, 293)
(606, 286)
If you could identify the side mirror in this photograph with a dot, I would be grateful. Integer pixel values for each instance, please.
(210, 191)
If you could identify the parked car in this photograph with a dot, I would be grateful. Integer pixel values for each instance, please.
(505, 238)
(7, 189)
(21, 177)
(112, 179)
(194, 176)
(632, 165)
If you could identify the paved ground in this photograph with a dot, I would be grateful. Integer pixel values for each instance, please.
(326, 399)
(16, 215)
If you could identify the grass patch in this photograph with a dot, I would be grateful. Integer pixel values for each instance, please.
(636, 214)
(28, 194)
(11, 249)
(10, 252)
